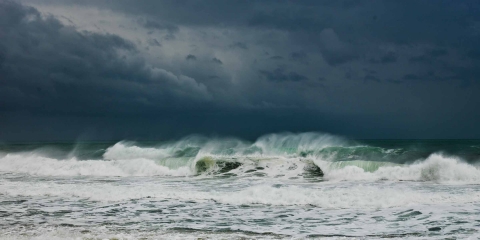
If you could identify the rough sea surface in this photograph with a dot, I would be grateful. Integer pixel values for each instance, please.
(293, 186)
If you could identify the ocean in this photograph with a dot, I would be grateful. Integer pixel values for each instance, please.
(280, 186)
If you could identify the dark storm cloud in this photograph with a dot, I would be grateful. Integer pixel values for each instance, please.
(239, 45)
(279, 75)
(437, 52)
(420, 59)
(397, 21)
(191, 57)
(390, 57)
(429, 56)
(411, 77)
(253, 64)
(149, 24)
(283, 20)
(3, 52)
(154, 42)
(474, 54)
(50, 67)
(276, 57)
(370, 77)
(334, 50)
(217, 61)
(299, 57)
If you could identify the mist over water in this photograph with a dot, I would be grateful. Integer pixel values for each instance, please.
(282, 185)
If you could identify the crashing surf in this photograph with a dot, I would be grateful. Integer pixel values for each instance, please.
(306, 155)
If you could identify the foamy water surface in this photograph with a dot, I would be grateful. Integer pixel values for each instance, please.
(281, 186)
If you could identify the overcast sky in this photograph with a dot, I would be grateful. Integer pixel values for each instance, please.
(110, 70)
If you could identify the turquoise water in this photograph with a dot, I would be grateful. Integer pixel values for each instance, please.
(297, 186)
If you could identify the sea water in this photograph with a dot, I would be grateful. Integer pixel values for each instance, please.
(294, 186)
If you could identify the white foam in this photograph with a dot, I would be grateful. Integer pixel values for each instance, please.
(351, 197)
(275, 144)
(282, 144)
(126, 151)
(101, 232)
(103, 192)
(437, 168)
(347, 195)
(38, 165)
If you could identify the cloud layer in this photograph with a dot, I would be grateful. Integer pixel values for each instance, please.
(157, 69)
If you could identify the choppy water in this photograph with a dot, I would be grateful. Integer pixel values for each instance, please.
(280, 186)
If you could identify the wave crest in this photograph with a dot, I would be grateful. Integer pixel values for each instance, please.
(287, 155)
(437, 168)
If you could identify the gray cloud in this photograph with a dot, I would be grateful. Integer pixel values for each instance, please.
(207, 60)
(333, 49)
(191, 57)
(149, 24)
(420, 59)
(437, 52)
(390, 57)
(411, 77)
(370, 77)
(239, 45)
(368, 19)
(279, 75)
(50, 67)
(154, 42)
(217, 61)
(299, 57)
(474, 54)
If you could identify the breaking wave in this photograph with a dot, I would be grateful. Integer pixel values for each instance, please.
(43, 166)
(437, 168)
(306, 155)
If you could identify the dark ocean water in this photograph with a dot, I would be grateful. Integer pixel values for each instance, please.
(279, 186)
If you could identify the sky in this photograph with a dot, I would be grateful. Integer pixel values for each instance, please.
(154, 70)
